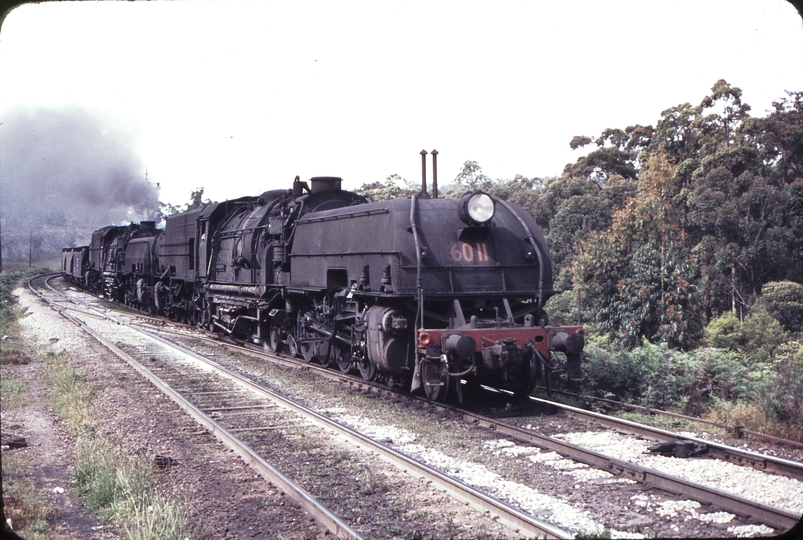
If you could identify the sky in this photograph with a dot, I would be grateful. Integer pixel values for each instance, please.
(240, 97)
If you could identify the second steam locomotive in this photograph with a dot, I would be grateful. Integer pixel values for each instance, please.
(433, 294)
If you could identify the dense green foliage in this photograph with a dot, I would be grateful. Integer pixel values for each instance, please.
(728, 195)
(705, 381)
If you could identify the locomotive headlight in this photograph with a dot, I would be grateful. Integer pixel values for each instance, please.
(476, 208)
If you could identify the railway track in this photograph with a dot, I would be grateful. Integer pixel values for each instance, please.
(763, 462)
(217, 398)
(722, 499)
(778, 518)
(737, 431)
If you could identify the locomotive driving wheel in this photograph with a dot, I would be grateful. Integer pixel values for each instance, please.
(292, 346)
(274, 339)
(324, 354)
(307, 351)
(342, 357)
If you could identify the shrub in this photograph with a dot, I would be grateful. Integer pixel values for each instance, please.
(562, 309)
(782, 390)
(784, 301)
(757, 336)
(723, 331)
(657, 376)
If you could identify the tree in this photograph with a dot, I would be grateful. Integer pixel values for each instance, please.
(196, 201)
(638, 276)
(505, 189)
(743, 222)
(784, 301)
(738, 189)
(616, 154)
(472, 178)
(393, 187)
(781, 137)
(567, 209)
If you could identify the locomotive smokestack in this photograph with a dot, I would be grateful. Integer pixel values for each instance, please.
(434, 174)
(424, 172)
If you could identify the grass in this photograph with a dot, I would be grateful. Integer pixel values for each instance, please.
(13, 391)
(121, 487)
(30, 516)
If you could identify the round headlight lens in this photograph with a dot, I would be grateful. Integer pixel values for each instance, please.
(480, 207)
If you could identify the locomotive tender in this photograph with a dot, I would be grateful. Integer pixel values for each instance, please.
(428, 293)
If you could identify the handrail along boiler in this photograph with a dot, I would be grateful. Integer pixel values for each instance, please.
(434, 294)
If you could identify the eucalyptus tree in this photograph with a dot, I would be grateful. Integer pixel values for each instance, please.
(637, 275)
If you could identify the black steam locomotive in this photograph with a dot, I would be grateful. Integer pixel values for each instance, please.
(427, 293)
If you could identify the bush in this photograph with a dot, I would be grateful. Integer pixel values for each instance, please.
(656, 376)
(757, 337)
(723, 331)
(562, 309)
(782, 391)
(784, 301)
(762, 395)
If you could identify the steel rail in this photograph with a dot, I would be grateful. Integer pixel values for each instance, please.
(317, 510)
(739, 456)
(509, 516)
(762, 462)
(775, 517)
(736, 430)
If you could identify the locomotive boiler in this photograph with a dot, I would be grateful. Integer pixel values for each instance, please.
(433, 294)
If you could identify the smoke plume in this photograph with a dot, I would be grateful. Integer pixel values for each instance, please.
(70, 169)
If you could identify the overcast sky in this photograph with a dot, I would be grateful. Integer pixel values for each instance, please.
(240, 97)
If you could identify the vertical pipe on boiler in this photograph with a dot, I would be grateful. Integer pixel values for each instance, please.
(434, 174)
(423, 173)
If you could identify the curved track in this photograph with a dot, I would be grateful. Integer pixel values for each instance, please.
(265, 469)
(254, 397)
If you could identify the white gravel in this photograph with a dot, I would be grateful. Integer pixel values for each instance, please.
(558, 512)
(770, 489)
